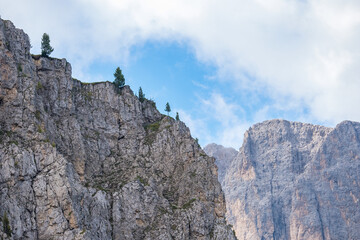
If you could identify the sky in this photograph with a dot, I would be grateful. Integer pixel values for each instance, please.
(223, 65)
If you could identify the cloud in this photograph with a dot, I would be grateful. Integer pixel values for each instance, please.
(228, 117)
(303, 55)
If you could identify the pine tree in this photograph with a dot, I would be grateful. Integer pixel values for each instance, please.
(167, 108)
(141, 95)
(119, 78)
(46, 49)
(177, 117)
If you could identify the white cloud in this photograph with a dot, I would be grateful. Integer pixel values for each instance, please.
(301, 54)
(229, 118)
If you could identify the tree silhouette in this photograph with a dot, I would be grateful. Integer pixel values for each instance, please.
(119, 78)
(46, 49)
(167, 108)
(141, 95)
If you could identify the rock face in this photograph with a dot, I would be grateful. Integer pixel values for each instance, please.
(87, 161)
(296, 181)
(223, 158)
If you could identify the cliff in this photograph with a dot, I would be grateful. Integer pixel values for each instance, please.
(223, 158)
(296, 181)
(86, 161)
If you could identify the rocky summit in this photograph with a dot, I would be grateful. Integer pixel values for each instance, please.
(295, 181)
(88, 161)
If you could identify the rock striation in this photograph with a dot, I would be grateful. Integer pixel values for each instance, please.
(296, 181)
(223, 158)
(87, 161)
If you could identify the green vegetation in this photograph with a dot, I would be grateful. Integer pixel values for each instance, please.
(119, 81)
(46, 49)
(39, 86)
(177, 118)
(152, 102)
(39, 129)
(142, 181)
(188, 204)
(19, 68)
(167, 108)
(154, 127)
(6, 225)
(88, 96)
(37, 115)
(14, 142)
(197, 141)
(141, 95)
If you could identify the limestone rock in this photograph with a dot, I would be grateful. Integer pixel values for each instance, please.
(88, 161)
(296, 181)
(223, 158)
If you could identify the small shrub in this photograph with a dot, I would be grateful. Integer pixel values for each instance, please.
(142, 181)
(37, 115)
(188, 204)
(154, 127)
(39, 86)
(39, 129)
(6, 225)
(19, 68)
(152, 102)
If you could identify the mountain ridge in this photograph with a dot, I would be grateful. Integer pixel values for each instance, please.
(292, 180)
(83, 161)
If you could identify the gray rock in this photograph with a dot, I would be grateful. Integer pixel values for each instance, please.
(296, 181)
(223, 158)
(87, 161)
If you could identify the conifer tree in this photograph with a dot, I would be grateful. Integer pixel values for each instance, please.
(119, 78)
(141, 95)
(46, 49)
(167, 108)
(177, 117)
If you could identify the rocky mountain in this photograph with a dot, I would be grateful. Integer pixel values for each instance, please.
(223, 158)
(296, 181)
(88, 161)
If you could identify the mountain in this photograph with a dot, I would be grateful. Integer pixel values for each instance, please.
(223, 158)
(88, 161)
(293, 180)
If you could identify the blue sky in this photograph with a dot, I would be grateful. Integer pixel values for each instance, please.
(223, 65)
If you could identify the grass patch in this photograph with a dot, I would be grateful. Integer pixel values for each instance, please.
(39, 86)
(154, 127)
(142, 181)
(19, 68)
(14, 142)
(39, 129)
(188, 204)
(38, 115)
(6, 225)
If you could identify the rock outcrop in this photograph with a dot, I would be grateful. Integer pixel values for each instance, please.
(296, 181)
(87, 161)
(223, 158)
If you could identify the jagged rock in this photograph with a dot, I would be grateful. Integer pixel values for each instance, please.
(223, 158)
(296, 181)
(88, 161)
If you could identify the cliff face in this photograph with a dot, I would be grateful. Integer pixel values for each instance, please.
(296, 181)
(223, 158)
(83, 161)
